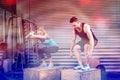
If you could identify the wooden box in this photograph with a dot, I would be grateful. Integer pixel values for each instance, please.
(42, 74)
(93, 74)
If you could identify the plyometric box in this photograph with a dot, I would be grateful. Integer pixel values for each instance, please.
(42, 74)
(61, 74)
(93, 74)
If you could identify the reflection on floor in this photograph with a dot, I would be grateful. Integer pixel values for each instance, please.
(105, 76)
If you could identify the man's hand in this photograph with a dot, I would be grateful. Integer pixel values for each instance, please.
(71, 54)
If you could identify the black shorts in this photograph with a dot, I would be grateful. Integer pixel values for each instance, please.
(47, 51)
(81, 44)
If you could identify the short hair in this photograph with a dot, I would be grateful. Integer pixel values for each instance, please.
(73, 19)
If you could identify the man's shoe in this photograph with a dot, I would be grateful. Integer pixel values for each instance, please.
(78, 67)
(86, 68)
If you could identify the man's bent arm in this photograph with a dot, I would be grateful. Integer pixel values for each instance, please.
(73, 41)
(90, 36)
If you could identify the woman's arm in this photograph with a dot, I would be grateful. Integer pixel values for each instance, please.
(40, 36)
(29, 34)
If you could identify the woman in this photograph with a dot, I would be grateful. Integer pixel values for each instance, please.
(45, 46)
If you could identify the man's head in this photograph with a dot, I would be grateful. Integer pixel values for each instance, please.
(73, 19)
(74, 22)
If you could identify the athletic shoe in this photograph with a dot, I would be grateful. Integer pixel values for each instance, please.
(78, 67)
(43, 65)
(50, 66)
(86, 68)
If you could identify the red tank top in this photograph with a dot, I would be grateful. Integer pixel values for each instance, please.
(84, 36)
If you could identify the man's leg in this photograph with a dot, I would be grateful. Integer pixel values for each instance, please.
(77, 54)
(88, 53)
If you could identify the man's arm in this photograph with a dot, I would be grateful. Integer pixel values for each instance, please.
(90, 36)
(72, 42)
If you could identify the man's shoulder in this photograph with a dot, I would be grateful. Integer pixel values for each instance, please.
(86, 27)
(85, 24)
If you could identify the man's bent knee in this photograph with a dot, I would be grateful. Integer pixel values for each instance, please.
(76, 48)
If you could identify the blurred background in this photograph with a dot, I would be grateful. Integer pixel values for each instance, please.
(18, 17)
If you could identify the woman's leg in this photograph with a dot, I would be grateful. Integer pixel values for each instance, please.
(50, 65)
(48, 51)
(42, 57)
(51, 62)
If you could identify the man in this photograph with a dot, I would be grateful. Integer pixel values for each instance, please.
(86, 44)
